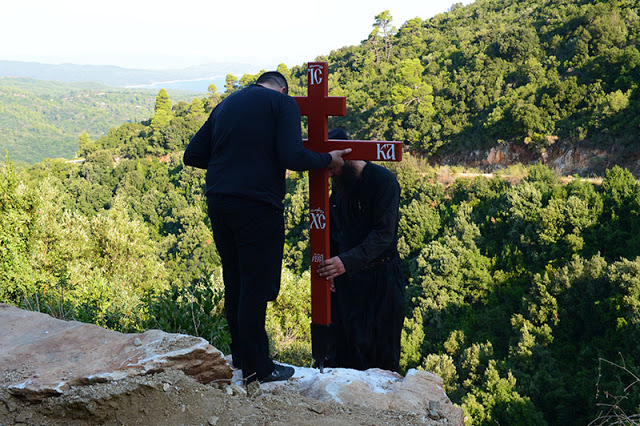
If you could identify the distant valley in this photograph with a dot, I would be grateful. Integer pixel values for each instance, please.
(44, 119)
(44, 107)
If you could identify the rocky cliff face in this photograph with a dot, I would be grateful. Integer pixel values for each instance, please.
(584, 160)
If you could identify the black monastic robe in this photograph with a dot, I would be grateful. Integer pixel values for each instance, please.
(368, 306)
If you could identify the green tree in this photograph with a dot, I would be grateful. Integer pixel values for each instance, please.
(85, 144)
(163, 102)
(618, 230)
(382, 24)
(162, 114)
(231, 84)
(196, 109)
(213, 99)
(419, 223)
(497, 401)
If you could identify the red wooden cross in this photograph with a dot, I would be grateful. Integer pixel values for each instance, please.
(317, 106)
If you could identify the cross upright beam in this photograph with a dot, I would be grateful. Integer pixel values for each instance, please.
(318, 106)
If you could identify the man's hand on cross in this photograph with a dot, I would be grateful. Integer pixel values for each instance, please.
(336, 159)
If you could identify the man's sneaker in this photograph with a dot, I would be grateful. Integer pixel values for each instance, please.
(280, 372)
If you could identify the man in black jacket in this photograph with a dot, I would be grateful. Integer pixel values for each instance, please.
(368, 299)
(249, 141)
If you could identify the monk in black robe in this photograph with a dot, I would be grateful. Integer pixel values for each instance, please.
(368, 299)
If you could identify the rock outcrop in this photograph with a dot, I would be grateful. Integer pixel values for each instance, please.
(567, 159)
(419, 392)
(42, 356)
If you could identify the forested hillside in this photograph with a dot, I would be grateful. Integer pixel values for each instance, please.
(44, 119)
(531, 72)
(523, 293)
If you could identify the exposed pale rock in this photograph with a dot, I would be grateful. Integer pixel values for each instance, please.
(42, 356)
(419, 391)
(566, 158)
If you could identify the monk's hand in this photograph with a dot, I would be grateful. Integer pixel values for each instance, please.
(336, 158)
(331, 268)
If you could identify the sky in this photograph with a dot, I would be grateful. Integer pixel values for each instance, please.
(162, 34)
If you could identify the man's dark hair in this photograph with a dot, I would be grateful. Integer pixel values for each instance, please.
(273, 77)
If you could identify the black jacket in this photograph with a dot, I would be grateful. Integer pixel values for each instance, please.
(248, 142)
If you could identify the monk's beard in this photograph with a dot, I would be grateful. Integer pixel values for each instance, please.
(345, 184)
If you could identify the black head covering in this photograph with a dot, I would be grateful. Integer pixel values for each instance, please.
(338, 133)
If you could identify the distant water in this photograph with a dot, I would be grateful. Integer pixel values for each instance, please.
(196, 85)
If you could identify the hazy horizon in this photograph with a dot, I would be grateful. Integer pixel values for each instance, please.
(146, 35)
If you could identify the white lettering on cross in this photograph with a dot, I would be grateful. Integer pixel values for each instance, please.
(386, 152)
(315, 74)
(318, 219)
(317, 257)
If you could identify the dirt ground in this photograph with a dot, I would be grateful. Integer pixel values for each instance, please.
(171, 398)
